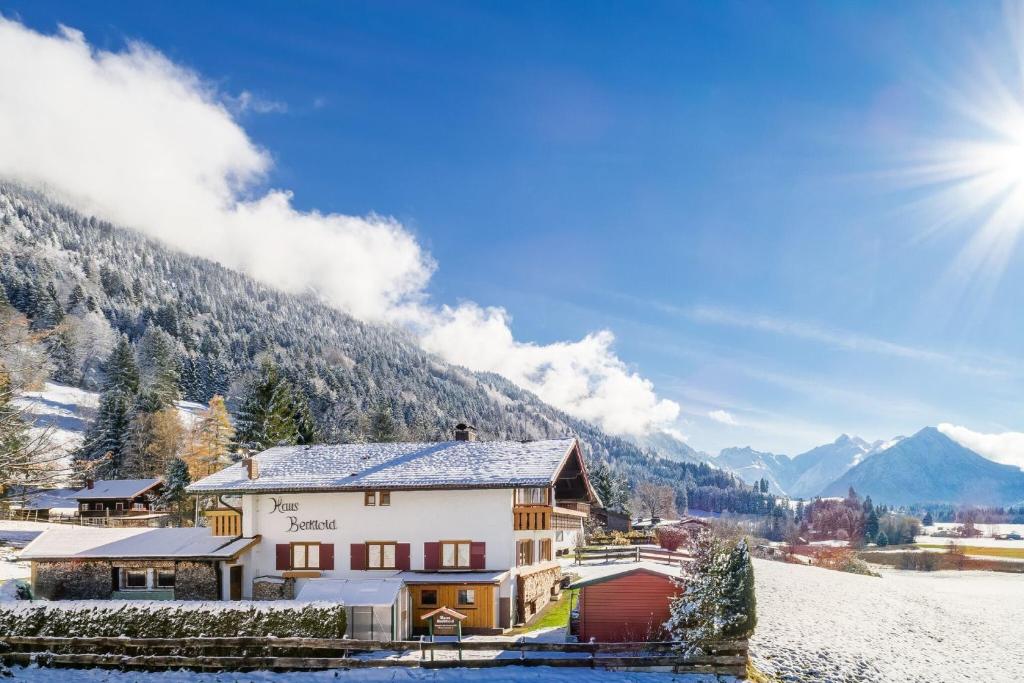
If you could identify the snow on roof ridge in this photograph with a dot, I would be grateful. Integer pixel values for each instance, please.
(444, 464)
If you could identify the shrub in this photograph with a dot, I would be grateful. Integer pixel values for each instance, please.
(155, 619)
(842, 560)
(670, 538)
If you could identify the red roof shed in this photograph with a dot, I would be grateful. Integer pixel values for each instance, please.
(628, 604)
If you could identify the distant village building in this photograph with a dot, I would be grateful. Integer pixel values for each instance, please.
(394, 530)
(610, 519)
(119, 497)
(42, 504)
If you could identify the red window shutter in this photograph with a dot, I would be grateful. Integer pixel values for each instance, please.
(431, 556)
(327, 556)
(284, 556)
(478, 555)
(358, 556)
(402, 556)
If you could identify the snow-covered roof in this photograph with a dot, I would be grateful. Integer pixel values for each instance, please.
(449, 464)
(78, 542)
(453, 577)
(617, 570)
(45, 499)
(117, 488)
(351, 592)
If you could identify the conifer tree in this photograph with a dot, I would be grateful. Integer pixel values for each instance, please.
(382, 424)
(694, 614)
(738, 603)
(158, 365)
(881, 539)
(871, 525)
(103, 449)
(927, 521)
(210, 439)
(266, 417)
(176, 480)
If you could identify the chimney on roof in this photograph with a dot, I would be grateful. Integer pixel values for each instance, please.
(252, 468)
(465, 432)
(90, 484)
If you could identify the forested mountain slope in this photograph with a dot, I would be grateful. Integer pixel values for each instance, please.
(89, 283)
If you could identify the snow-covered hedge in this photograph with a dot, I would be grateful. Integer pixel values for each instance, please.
(160, 619)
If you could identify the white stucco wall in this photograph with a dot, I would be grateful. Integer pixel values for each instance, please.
(414, 517)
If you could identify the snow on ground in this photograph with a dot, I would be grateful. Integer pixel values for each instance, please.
(509, 674)
(979, 542)
(65, 411)
(13, 537)
(985, 529)
(906, 627)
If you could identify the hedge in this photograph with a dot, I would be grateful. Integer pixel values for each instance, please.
(160, 619)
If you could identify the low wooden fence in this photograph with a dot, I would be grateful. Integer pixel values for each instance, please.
(307, 654)
(634, 553)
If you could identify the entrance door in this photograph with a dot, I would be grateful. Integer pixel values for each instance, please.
(236, 583)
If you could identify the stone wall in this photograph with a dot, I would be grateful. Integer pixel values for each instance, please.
(73, 580)
(273, 588)
(195, 581)
(534, 591)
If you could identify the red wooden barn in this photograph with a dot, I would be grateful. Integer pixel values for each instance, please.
(627, 603)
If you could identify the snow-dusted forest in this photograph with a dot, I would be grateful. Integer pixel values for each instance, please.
(196, 330)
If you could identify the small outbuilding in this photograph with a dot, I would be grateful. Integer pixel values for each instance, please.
(626, 603)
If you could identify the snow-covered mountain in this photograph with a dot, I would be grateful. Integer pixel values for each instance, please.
(929, 467)
(751, 466)
(814, 470)
(668, 446)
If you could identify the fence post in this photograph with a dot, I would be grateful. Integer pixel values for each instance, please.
(593, 652)
(423, 653)
(638, 553)
(522, 652)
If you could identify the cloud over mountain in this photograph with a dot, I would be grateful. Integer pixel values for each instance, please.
(134, 138)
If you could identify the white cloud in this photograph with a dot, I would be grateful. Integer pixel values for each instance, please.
(1007, 447)
(584, 378)
(723, 416)
(247, 101)
(134, 138)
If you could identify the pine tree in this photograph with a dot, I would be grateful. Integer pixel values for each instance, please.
(61, 349)
(266, 417)
(694, 614)
(881, 539)
(176, 480)
(928, 521)
(103, 449)
(738, 601)
(158, 365)
(307, 431)
(871, 525)
(382, 424)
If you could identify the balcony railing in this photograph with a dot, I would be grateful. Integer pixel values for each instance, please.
(224, 522)
(531, 517)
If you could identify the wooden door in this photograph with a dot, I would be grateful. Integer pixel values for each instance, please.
(236, 583)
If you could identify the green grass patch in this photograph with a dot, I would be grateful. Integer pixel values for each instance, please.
(985, 551)
(554, 615)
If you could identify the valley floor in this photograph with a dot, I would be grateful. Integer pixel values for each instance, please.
(816, 625)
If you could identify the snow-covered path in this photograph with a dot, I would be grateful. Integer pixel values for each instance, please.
(906, 627)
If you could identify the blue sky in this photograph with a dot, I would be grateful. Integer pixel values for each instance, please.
(723, 186)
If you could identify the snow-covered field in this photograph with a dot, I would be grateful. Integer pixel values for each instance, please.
(985, 529)
(906, 627)
(64, 411)
(14, 536)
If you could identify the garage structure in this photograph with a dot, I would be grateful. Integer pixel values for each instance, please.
(627, 603)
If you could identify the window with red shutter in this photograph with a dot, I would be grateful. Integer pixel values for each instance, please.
(477, 555)
(327, 556)
(403, 560)
(284, 556)
(358, 556)
(431, 556)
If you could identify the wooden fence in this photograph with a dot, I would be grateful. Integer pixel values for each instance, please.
(306, 654)
(634, 553)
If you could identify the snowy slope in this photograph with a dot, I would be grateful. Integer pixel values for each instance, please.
(819, 467)
(66, 412)
(816, 625)
(751, 466)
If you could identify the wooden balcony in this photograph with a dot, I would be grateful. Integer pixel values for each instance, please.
(531, 517)
(224, 522)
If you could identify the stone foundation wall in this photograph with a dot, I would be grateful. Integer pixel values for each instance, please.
(273, 588)
(73, 580)
(195, 581)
